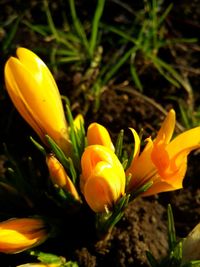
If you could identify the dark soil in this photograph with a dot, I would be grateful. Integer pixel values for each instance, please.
(144, 226)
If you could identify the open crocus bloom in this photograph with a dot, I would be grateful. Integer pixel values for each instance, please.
(102, 179)
(162, 162)
(17, 235)
(98, 135)
(34, 93)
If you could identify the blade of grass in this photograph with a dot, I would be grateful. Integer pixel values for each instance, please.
(78, 26)
(11, 34)
(171, 228)
(120, 62)
(120, 33)
(37, 28)
(162, 67)
(164, 15)
(134, 74)
(53, 28)
(95, 26)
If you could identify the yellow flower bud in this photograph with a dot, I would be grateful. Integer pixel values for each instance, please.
(102, 179)
(98, 135)
(21, 234)
(59, 176)
(34, 93)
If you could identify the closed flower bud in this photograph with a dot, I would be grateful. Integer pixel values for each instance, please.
(34, 93)
(21, 234)
(102, 179)
(191, 245)
(59, 176)
(98, 135)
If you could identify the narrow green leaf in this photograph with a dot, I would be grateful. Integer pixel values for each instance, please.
(95, 25)
(58, 152)
(118, 65)
(11, 34)
(78, 26)
(119, 144)
(140, 190)
(135, 77)
(38, 145)
(47, 257)
(171, 228)
(192, 264)
(72, 171)
(152, 261)
(165, 14)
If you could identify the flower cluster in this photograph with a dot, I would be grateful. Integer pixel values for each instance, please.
(87, 167)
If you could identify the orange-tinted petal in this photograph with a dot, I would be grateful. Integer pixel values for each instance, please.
(142, 168)
(17, 235)
(167, 127)
(186, 141)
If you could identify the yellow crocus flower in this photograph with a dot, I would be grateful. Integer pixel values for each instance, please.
(162, 161)
(34, 93)
(98, 135)
(59, 176)
(21, 234)
(102, 178)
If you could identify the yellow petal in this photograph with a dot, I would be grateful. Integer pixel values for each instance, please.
(160, 156)
(142, 169)
(159, 187)
(103, 188)
(15, 95)
(17, 235)
(167, 127)
(94, 154)
(136, 144)
(41, 103)
(186, 141)
(40, 98)
(37, 67)
(98, 135)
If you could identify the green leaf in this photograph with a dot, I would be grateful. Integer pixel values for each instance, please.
(140, 190)
(119, 144)
(95, 26)
(48, 258)
(38, 145)
(192, 264)
(58, 152)
(152, 261)
(171, 229)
